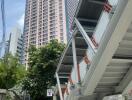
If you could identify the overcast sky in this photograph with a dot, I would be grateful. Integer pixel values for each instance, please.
(14, 10)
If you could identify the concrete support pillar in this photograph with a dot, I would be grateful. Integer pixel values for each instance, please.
(59, 86)
(75, 58)
(54, 97)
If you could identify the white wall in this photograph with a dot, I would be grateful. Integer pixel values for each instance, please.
(15, 35)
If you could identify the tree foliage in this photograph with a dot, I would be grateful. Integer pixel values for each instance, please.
(11, 71)
(42, 66)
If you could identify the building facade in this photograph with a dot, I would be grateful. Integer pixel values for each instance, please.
(44, 21)
(16, 43)
(71, 6)
(4, 48)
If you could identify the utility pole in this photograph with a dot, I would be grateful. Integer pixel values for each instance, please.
(3, 42)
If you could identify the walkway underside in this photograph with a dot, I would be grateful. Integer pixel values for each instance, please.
(95, 65)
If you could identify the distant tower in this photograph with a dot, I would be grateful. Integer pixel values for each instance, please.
(3, 42)
(16, 43)
(44, 21)
(71, 6)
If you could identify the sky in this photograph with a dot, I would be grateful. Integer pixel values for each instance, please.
(14, 11)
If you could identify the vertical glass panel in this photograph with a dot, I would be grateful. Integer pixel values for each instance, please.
(73, 76)
(101, 27)
(83, 69)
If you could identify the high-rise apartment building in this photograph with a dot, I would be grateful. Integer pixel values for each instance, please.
(44, 21)
(71, 6)
(16, 43)
(4, 48)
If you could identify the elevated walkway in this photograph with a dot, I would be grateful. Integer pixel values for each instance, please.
(97, 60)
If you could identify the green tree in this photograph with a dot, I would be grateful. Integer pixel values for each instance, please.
(11, 71)
(42, 66)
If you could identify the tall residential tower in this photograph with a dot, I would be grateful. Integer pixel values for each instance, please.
(71, 6)
(44, 21)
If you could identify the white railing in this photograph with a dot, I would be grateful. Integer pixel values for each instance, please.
(101, 27)
(90, 54)
(104, 21)
(74, 76)
(84, 65)
(83, 68)
(113, 2)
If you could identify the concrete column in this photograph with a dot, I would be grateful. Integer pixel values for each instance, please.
(54, 97)
(74, 58)
(59, 86)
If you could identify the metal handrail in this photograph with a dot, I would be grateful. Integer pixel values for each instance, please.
(111, 12)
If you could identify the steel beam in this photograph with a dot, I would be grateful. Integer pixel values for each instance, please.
(59, 86)
(84, 34)
(74, 57)
(96, 2)
(125, 81)
(63, 77)
(79, 48)
(88, 20)
(121, 60)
